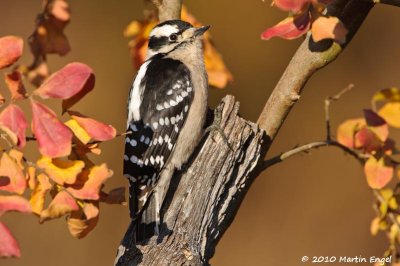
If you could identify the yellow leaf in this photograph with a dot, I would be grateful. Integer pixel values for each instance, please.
(61, 171)
(391, 113)
(78, 131)
(39, 194)
(387, 94)
(31, 177)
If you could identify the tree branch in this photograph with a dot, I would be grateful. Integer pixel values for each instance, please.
(309, 58)
(167, 9)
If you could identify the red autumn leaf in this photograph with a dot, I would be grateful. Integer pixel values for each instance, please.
(291, 5)
(329, 28)
(14, 203)
(95, 129)
(9, 246)
(13, 122)
(66, 82)
(289, 28)
(12, 178)
(63, 203)
(367, 140)
(378, 172)
(89, 184)
(53, 137)
(15, 85)
(10, 50)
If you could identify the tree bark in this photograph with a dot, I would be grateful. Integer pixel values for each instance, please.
(203, 199)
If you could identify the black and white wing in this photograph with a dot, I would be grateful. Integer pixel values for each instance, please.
(166, 95)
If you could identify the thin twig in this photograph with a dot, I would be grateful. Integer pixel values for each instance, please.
(314, 145)
(328, 101)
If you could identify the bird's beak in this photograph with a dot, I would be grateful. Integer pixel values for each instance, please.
(200, 31)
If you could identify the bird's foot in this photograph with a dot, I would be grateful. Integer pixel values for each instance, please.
(215, 128)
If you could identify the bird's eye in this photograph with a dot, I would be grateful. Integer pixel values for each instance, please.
(173, 37)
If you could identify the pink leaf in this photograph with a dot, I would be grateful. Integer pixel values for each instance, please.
(10, 50)
(291, 5)
(12, 120)
(14, 203)
(9, 246)
(290, 28)
(67, 82)
(53, 137)
(95, 129)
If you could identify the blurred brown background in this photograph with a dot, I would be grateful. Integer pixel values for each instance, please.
(314, 205)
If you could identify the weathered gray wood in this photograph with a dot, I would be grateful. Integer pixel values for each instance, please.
(204, 197)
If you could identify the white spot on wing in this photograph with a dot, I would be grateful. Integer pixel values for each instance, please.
(166, 105)
(134, 159)
(172, 103)
(172, 120)
(159, 107)
(166, 120)
(186, 108)
(161, 121)
(133, 142)
(169, 92)
(155, 125)
(126, 158)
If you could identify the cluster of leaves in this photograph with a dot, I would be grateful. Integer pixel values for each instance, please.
(218, 74)
(63, 181)
(370, 136)
(306, 15)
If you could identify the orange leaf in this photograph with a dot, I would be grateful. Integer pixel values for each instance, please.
(61, 171)
(391, 113)
(12, 179)
(14, 203)
(15, 85)
(289, 28)
(38, 195)
(377, 124)
(378, 172)
(10, 50)
(63, 203)
(328, 28)
(80, 223)
(53, 137)
(89, 183)
(95, 129)
(9, 246)
(31, 177)
(13, 122)
(347, 130)
(66, 82)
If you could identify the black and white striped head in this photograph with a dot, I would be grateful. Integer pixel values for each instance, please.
(173, 35)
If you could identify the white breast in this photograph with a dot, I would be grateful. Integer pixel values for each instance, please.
(135, 97)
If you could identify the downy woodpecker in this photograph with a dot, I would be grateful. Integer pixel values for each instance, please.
(166, 113)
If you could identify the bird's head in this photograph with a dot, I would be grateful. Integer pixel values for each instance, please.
(173, 35)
